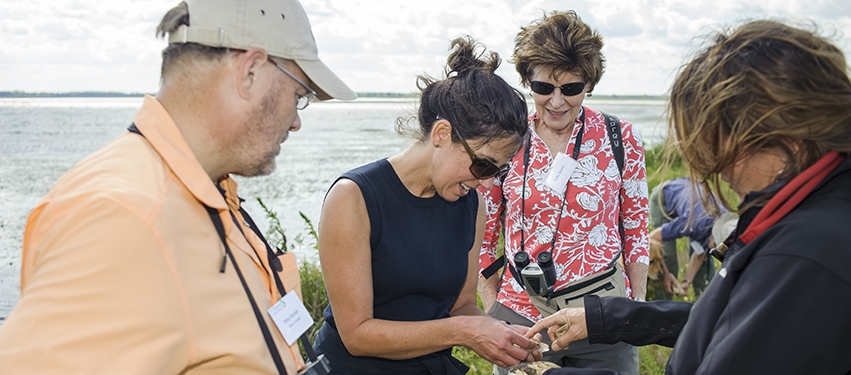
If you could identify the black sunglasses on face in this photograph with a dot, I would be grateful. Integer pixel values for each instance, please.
(567, 89)
(480, 168)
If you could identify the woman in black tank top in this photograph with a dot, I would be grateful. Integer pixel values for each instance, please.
(399, 237)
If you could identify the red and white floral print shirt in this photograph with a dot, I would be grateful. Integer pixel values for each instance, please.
(588, 237)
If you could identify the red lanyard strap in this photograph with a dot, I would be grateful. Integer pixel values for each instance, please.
(791, 195)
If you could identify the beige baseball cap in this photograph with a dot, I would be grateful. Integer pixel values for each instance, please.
(280, 27)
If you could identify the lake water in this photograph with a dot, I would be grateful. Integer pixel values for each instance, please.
(42, 138)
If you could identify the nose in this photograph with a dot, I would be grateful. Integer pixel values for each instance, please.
(296, 123)
(486, 183)
(557, 98)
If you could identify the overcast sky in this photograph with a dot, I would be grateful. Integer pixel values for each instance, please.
(379, 45)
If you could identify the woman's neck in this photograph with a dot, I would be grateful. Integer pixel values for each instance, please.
(555, 139)
(414, 168)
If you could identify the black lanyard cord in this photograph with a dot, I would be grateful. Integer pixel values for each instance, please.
(576, 146)
(614, 134)
(274, 263)
(267, 335)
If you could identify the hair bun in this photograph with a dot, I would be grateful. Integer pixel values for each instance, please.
(472, 97)
(468, 54)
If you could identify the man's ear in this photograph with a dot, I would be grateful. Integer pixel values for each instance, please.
(250, 72)
(441, 132)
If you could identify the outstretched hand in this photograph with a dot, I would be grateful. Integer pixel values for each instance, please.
(563, 327)
(671, 283)
(504, 345)
(683, 288)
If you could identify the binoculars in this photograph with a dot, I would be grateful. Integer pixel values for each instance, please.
(537, 278)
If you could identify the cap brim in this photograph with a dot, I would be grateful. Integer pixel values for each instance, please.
(326, 84)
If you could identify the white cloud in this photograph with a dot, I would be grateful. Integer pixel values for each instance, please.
(80, 45)
(378, 45)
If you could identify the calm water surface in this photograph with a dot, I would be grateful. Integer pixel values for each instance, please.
(42, 138)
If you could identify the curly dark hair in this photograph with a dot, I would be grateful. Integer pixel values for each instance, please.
(473, 98)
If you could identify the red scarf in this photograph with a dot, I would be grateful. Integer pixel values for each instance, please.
(791, 195)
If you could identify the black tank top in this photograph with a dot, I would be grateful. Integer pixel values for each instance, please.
(420, 249)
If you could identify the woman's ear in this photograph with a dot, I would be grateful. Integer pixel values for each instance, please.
(441, 133)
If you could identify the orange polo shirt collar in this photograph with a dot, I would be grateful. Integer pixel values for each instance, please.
(155, 123)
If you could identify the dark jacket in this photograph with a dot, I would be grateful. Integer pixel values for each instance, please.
(781, 304)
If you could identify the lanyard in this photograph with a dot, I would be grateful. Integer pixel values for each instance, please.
(264, 329)
(276, 266)
(576, 146)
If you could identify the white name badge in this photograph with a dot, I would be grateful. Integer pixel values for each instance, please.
(291, 317)
(560, 172)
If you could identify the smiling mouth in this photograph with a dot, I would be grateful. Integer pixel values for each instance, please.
(465, 187)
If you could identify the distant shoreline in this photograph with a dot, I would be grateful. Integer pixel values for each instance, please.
(99, 94)
(82, 94)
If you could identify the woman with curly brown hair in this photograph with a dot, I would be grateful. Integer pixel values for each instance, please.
(399, 237)
(766, 108)
(574, 198)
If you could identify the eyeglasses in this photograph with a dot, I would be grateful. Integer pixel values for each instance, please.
(567, 89)
(480, 168)
(303, 100)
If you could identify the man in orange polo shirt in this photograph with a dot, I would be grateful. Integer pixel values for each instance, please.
(139, 260)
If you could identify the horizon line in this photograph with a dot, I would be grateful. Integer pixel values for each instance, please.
(369, 94)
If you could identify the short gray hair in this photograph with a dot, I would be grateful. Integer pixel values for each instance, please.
(177, 53)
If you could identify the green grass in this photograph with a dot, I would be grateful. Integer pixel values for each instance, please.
(312, 283)
(657, 171)
(477, 364)
(652, 358)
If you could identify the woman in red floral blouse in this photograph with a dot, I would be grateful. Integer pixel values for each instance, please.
(575, 217)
